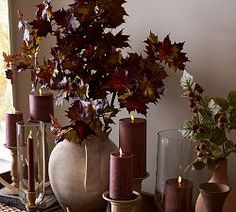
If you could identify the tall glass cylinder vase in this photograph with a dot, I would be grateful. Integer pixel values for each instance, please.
(174, 155)
(31, 159)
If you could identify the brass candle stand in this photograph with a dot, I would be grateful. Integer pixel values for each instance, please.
(14, 174)
(31, 205)
(137, 183)
(122, 205)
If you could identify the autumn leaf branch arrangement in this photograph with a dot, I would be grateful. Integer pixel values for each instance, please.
(87, 67)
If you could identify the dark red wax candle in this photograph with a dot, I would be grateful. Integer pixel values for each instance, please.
(132, 138)
(178, 196)
(11, 119)
(121, 176)
(41, 106)
(30, 156)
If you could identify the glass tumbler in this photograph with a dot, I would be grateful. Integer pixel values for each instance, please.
(174, 155)
(31, 159)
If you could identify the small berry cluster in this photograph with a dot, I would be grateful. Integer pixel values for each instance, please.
(204, 153)
(195, 96)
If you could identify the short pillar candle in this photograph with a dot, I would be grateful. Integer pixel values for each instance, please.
(41, 106)
(121, 176)
(132, 138)
(178, 195)
(11, 120)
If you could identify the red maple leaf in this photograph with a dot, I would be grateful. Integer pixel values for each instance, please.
(82, 129)
(10, 75)
(117, 81)
(42, 27)
(75, 111)
(133, 103)
(56, 126)
(44, 10)
(165, 49)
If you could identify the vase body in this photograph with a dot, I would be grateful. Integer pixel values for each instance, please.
(214, 195)
(79, 173)
(219, 175)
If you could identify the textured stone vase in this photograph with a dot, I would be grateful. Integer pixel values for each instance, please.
(220, 175)
(214, 195)
(79, 173)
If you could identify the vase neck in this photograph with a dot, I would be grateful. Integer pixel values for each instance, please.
(220, 174)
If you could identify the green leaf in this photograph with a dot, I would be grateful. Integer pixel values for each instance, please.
(198, 164)
(217, 155)
(186, 130)
(234, 148)
(70, 134)
(187, 81)
(201, 136)
(232, 98)
(232, 118)
(212, 165)
(229, 144)
(217, 136)
(213, 107)
(223, 103)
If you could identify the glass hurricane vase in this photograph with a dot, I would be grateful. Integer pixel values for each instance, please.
(174, 154)
(31, 159)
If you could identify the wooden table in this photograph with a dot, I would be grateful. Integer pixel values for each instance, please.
(147, 203)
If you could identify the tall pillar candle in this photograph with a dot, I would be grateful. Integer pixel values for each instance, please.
(178, 195)
(11, 119)
(30, 156)
(132, 138)
(121, 176)
(41, 106)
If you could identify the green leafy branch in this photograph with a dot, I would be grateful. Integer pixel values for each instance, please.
(213, 119)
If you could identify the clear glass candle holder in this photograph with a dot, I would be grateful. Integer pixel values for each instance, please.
(174, 155)
(31, 160)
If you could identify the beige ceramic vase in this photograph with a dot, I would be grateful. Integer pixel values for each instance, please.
(220, 175)
(79, 173)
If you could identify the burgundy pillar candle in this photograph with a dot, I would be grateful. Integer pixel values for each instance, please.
(11, 119)
(132, 138)
(30, 156)
(41, 106)
(178, 195)
(121, 176)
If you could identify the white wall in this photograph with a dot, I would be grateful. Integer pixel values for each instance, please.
(209, 31)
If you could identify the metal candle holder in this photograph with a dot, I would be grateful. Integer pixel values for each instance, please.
(14, 174)
(31, 206)
(122, 205)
